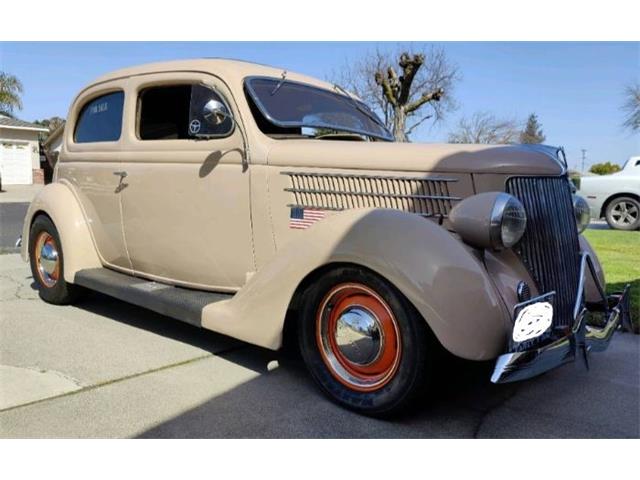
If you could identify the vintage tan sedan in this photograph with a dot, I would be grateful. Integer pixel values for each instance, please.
(268, 205)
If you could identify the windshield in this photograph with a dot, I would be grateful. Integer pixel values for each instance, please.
(289, 104)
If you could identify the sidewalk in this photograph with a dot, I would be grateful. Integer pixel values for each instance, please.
(19, 193)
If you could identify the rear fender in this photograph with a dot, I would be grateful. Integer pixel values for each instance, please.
(446, 283)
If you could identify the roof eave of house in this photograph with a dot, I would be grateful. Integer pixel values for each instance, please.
(33, 129)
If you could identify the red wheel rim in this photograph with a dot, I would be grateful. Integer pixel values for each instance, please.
(358, 337)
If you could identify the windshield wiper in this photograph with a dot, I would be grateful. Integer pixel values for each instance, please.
(359, 107)
(284, 77)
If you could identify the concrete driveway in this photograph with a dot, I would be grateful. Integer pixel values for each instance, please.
(11, 221)
(14, 202)
(104, 368)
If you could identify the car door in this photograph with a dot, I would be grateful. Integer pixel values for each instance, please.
(90, 165)
(186, 200)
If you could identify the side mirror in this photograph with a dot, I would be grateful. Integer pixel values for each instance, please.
(214, 112)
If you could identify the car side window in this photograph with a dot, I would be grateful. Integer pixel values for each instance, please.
(179, 112)
(100, 120)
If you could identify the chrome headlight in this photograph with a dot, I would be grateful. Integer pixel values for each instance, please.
(508, 222)
(494, 220)
(582, 213)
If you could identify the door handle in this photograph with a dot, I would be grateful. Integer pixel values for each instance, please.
(121, 186)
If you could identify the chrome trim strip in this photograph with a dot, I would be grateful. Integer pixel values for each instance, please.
(315, 207)
(371, 194)
(338, 209)
(563, 161)
(372, 177)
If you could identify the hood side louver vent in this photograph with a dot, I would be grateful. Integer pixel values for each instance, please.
(333, 191)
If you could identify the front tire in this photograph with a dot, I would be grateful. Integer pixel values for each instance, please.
(364, 344)
(47, 263)
(623, 213)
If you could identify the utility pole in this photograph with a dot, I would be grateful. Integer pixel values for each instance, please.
(584, 157)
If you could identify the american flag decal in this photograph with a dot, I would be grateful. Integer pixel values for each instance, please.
(302, 218)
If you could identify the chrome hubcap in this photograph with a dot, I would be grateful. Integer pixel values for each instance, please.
(358, 335)
(625, 213)
(47, 259)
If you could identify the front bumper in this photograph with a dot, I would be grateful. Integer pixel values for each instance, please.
(582, 339)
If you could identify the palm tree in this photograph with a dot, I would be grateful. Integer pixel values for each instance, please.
(10, 91)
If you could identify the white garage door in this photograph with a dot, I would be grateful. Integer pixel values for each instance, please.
(15, 164)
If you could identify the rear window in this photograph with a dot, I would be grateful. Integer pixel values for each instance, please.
(100, 120)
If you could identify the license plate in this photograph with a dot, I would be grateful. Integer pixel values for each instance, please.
(532, 321)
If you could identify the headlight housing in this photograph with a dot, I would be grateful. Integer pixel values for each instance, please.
(582, 213)
(508, 222)
(493, 220)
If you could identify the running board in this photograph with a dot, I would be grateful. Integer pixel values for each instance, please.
(180, 303)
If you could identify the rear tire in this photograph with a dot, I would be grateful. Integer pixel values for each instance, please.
(363, 342)
(47, 263)
(623, 213)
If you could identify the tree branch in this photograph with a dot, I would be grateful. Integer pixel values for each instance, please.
(387, 90)
(413, 127)
(410, 67)
(434, 96)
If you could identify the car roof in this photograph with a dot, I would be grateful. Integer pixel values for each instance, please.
(233, 71)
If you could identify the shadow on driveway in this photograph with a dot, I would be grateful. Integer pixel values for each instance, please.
(284, 403)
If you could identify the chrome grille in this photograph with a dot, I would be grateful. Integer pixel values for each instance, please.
(549, 248)
(334, 191)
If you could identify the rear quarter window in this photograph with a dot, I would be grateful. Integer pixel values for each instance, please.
(100, 120)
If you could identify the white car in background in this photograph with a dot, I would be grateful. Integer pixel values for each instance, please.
(615, 197)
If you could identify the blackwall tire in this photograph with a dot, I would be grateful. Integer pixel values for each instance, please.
(46, 259)
(364, 344)
(623, 213)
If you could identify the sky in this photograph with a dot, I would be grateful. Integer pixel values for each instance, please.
(576, 88)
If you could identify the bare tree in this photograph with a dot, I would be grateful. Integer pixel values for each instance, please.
(483, 127)
(420, 90)
(631, 107)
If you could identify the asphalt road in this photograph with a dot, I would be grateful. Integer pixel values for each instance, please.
(11, 218)
(104, 368)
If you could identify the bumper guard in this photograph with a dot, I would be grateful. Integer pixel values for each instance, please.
(581, 340)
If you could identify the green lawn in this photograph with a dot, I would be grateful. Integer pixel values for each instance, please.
(619, 253)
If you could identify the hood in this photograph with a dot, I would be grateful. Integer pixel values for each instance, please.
(419, 157)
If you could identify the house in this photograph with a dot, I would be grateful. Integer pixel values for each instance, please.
(20, 152)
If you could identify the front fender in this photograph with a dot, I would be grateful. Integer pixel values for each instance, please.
(446, 283)
(592, 293)
(58, 202)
